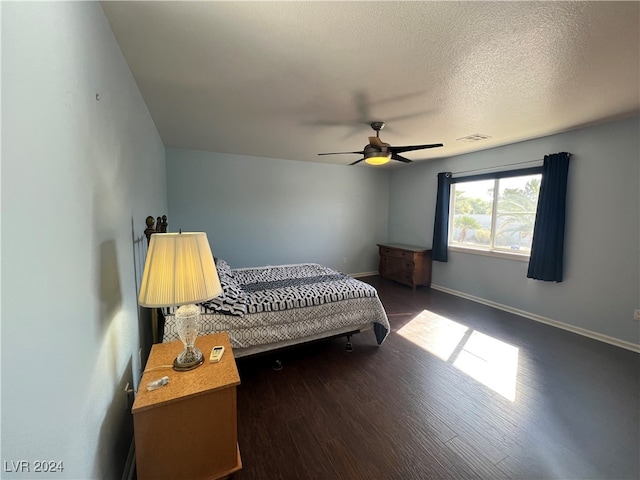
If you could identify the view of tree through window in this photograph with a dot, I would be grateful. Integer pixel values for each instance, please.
(494, 214)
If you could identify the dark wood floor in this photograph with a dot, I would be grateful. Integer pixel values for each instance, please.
(399, 412)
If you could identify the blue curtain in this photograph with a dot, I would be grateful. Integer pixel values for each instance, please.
(441, 224)
(547, 248)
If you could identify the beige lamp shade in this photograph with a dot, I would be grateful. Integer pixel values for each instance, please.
(179, 270)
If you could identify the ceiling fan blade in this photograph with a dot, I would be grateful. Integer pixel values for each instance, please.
(395, 156)
(409, 148)
(357, 161)
(340, 153)
(376, 142)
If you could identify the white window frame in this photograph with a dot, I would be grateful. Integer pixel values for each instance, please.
(491, 250)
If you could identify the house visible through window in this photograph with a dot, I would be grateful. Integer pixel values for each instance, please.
(494, 212)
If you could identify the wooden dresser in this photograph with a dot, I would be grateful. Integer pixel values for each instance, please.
(188, 428)
(406, 264)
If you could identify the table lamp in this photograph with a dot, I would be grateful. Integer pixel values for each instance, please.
(179, 272)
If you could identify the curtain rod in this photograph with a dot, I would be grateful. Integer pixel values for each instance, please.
(501, 166)
(497, 166)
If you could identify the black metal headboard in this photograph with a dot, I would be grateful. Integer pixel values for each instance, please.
(153, 226)
(157, 315)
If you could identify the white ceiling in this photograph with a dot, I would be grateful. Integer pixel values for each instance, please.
(292, 79)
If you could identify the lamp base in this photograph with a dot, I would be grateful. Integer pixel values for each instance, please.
(188, 359)
(187, 324)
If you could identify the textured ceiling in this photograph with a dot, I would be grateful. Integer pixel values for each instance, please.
(292, 79)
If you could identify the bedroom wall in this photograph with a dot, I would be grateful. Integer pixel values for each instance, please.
(265, 211)
(601, 286)
(79, 176)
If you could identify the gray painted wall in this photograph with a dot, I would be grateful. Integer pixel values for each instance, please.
(264, 211)
(79, 177)
(601, 286)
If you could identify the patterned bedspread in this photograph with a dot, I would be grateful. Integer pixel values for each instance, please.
(266, 305)
(295, 286)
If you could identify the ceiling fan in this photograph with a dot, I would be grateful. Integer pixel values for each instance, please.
(378, 153)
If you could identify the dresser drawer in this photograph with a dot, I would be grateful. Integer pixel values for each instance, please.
(402, 277)
(397, 263)
(394, 252)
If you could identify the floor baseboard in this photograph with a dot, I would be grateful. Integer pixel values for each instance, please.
(539, 318)
(363, 274)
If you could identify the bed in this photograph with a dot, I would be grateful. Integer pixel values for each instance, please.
(272, 307)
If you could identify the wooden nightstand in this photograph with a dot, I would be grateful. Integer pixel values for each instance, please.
(188, 428)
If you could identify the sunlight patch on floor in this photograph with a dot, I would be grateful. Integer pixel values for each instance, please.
(435, 334)
(488, 360)
(491, 362)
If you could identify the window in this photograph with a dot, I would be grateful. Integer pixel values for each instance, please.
(495, 212)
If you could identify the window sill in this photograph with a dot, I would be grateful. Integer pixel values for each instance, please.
(520, 257)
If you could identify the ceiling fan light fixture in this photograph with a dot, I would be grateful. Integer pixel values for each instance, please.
(378, 160)
(377, 155)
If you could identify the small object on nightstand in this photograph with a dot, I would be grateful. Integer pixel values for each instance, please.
(161, 382)
(216, 354)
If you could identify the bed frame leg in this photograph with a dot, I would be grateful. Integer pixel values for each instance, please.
(348, 346)
(276, 365)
